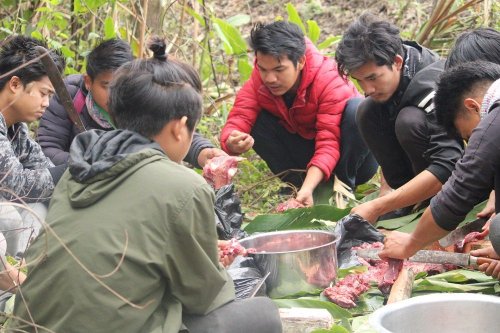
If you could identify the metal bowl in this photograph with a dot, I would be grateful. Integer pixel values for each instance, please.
(301, 260)
(440, 313)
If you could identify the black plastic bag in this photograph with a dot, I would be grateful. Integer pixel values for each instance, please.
(353, 230)
(246, 278)
(228, 213)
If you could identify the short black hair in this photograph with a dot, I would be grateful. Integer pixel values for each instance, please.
(16, 54)
(368, 39)
(277, 39)
(108, 56)
(455, 83)
(478, 44)
(145, 94)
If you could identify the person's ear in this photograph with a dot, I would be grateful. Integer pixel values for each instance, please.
(87, 80)
(398, 62)
(301, 63)
(472, 106)
(15, 84)
(179, 127)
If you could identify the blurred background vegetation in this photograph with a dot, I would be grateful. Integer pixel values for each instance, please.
(211, 35)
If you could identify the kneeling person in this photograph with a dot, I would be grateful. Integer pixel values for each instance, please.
(131, 242)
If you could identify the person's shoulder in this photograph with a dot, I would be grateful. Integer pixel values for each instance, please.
(166, 174)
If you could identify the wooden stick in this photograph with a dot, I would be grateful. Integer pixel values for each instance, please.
(401, 289)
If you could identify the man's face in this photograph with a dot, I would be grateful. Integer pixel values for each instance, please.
(379, 82)
(31, 100)
(279, 75)
(99, 87)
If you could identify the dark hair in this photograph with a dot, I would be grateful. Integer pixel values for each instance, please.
(478, 44)
(145, 94)
(455, 83)
(277, 39)
(108, 56)
(16, 54)
(368, 39)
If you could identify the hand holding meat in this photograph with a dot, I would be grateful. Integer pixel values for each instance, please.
(239, 142)
(229, 250)
(399, 245)
(220, 170)
(209, 153)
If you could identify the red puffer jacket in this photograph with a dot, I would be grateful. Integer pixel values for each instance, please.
(316, 112)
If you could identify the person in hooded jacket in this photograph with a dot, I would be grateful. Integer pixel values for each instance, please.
(131, 242)
(90, 98)
(296, 112)
(27, 176)
(397, 119)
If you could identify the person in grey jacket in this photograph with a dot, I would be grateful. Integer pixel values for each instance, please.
(468, 103)
(26, 175)
(90, 98)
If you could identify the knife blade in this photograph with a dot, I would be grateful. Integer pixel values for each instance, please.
(432, 257)
(60, 88)
(459, 233)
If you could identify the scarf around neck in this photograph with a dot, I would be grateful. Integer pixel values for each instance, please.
(98, 114)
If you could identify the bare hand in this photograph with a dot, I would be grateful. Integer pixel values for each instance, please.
(489, 209)
(368, 210)
(491, 269)
(208, 153)
(399, 245)
(239, 142)
(305, 197)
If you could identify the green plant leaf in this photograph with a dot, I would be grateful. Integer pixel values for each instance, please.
(238, 20)
(300, 218)
(313, 31)
(231, 37)
(109, 28)
(329, 41)
(361, 325)
(195, 15)
(244, 68)
(399, 222)
(293, 16)
(336, 311)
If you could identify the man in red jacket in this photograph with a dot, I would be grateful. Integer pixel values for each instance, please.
(298, 113)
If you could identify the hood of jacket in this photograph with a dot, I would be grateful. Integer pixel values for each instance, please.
(101, 160)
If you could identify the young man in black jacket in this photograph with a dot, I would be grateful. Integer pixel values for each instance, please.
(468, 103)
(397, 119)
(90, 98)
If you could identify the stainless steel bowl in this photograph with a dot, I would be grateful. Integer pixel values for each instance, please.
(301, 260)
(440, 313)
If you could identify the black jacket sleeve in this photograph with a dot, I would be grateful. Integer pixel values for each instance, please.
(474, 175)
(199, 143)
(443, 151)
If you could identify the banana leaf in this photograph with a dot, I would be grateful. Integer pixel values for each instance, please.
(361, 325)
(336, 311)
(399, 222)
(457, 281)
(296, 219)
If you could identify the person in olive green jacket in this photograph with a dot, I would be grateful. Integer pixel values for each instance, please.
(130, 243)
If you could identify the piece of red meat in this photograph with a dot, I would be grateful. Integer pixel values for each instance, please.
(289, 204)
(346, 292)
(390, 275)
(469, 238)
(220, 170)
